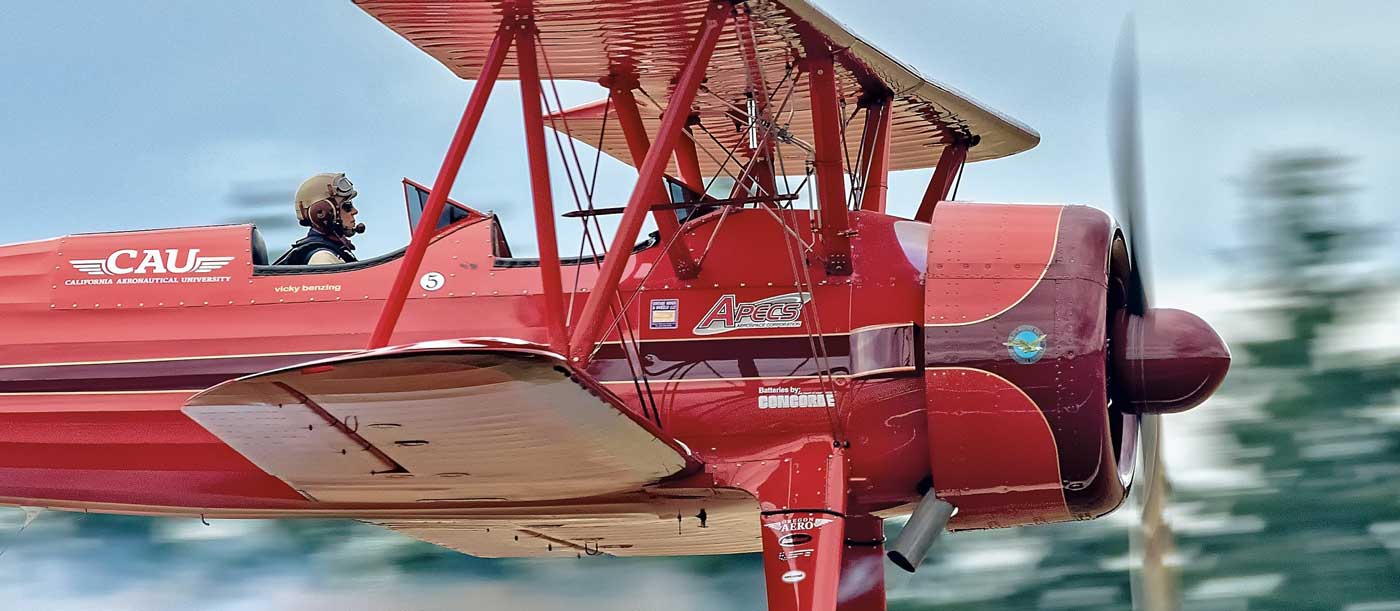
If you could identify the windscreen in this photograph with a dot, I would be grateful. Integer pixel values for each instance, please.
(416, 198)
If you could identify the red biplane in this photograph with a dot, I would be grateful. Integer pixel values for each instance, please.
(777, 369)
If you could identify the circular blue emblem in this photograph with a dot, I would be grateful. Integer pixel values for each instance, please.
(1026, 344)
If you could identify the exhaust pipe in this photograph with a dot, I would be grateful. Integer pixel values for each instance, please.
(929, 519)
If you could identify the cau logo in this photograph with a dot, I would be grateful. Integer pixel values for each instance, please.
(168, 261)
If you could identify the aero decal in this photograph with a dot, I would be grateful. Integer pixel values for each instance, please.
(793, 576)
(128, 261)
(778, 312)
(797, 524)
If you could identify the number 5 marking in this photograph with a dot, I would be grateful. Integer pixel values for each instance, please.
(432, 281)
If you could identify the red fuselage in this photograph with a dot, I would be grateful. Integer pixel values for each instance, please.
(105, 336)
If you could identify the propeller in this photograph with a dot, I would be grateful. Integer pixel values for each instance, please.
(1152, 583)
(1125, 149)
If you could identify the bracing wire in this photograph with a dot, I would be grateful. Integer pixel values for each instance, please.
(812, 327)
(626, 331)
(801, 275)
(851, 171)
(766, 138)
(862, 172)
(587, 238)
(811, 321)
(957, 182)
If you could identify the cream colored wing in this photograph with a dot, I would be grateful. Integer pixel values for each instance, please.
(439, 422)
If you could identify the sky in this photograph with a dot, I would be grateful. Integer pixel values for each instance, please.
(156, 114)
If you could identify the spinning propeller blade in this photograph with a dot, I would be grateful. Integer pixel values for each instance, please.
(1126, 150)
(1150, 539)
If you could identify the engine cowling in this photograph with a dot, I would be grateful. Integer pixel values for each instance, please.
(1019, 304)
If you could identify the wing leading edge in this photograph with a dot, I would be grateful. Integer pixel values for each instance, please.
(650, 41)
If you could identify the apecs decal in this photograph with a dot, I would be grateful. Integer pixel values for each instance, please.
(777, 312)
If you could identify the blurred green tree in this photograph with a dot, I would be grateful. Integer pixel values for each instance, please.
(1318, 527)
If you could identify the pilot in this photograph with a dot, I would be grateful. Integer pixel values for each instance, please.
(325, 204)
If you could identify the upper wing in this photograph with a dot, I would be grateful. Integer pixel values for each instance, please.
(443, 421)
(651, 39)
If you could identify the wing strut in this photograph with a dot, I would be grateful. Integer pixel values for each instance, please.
(451, 163)
(553, 283)
(636, 134)
(877, 164)
(863, 565)
(591, 326)
(516, 28)
(688, 160)
(942, 182)
(826, 140)
(802, 501)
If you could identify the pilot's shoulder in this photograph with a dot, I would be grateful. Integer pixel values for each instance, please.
(324, 256)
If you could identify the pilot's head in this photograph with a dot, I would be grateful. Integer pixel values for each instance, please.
(325, 202)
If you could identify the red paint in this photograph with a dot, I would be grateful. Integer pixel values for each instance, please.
(1011, 476)
(150, 455)
(801, 492)
(760, 171)
(708, 386)
(720, 417)
(996, 460)
(983, 259)
(688, 160)
(892, 368)
(1170, 361)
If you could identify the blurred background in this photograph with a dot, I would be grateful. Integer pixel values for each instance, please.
(1268, 132)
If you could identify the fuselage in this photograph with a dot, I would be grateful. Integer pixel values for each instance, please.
(107, 335)
(97, 366)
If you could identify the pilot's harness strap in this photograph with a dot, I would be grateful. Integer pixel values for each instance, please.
(301, 250)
